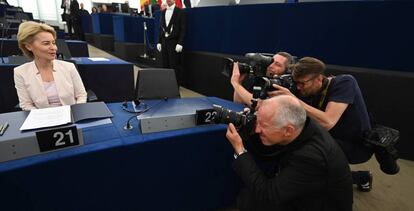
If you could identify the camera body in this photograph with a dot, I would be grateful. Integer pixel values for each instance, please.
(245, 124)
(262, 85)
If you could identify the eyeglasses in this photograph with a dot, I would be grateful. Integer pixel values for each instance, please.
(302, 83)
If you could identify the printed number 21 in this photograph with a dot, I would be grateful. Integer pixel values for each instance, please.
(61, 135)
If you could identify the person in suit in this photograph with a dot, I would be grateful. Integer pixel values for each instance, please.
(45, 81)
(76, 19)
(82, 10)
(72, 17)
(171, 37)
(66, 15)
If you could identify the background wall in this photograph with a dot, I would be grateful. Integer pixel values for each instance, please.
(363, 34)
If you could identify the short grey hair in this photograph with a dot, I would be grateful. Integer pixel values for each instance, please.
(289, 111)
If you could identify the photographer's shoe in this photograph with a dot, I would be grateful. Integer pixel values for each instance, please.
(366, 181)
(388, 164)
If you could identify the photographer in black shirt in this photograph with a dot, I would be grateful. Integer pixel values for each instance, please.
(337, 104)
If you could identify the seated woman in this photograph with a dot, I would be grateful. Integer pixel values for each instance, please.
(46, 81)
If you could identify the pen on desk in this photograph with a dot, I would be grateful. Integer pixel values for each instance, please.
(4, 128)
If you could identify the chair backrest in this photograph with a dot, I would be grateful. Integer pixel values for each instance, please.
(19, 60)
(63, 49)
(156, 83)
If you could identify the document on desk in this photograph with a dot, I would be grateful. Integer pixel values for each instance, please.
(98, 59)
(47, 117)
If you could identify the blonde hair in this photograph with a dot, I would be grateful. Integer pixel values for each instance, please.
(27, 31)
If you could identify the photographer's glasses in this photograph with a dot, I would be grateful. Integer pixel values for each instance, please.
(303, 83)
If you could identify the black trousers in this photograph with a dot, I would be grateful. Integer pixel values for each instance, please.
(69, 23)
(356, 152)
(170, 58)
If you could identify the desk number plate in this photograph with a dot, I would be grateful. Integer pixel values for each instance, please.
(57, 138)
(205, 116)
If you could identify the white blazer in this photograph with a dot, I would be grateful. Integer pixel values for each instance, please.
(31, 92)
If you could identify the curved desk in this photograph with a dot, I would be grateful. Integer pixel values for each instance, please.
(117, 169)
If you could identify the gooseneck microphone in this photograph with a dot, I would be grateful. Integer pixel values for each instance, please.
(128, 125)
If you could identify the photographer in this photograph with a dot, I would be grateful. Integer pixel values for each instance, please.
(337, 104)
(243, 94)
(312, 171)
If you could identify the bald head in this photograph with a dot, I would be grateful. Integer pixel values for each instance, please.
(284, 110)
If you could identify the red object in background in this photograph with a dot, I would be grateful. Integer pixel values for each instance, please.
(178, 3)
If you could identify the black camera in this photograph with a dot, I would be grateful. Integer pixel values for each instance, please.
(257, 65)
(383, 140)
(245, 124)
(262, 85)
(240, 120)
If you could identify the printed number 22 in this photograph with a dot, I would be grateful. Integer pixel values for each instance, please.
(210, 116)
(60, 136)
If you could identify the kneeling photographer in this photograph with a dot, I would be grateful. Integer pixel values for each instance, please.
(305, 153)
(337, 104)
(242, 81)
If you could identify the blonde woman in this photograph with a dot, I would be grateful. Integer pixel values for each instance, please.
(45, 81)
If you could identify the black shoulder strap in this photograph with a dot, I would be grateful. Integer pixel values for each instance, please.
(323, 97)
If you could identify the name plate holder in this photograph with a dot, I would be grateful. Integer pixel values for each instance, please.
(40, 142)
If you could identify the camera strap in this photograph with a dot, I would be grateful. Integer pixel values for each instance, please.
(325, 87)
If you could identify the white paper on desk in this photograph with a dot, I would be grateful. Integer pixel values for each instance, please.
(98, 59)
(47, 117)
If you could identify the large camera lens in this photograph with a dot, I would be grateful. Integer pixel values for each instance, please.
(226, 116)
(228, 67)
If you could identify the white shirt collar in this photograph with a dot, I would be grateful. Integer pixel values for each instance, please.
(172, 7)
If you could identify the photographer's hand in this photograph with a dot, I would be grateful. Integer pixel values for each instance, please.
(234, 138)
(280, 90)
(236, 77)
(240, 95)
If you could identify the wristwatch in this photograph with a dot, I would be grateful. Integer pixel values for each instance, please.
(237, 154)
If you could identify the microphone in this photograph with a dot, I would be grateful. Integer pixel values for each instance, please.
(128, 125)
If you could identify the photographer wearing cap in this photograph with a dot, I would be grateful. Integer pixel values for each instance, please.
(243, 88)
(312, 172)
(337, 104)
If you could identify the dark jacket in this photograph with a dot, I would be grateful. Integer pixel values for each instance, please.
(74, 9)
(312, 174)
(176, 27)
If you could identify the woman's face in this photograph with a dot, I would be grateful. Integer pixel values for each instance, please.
(43, 46)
